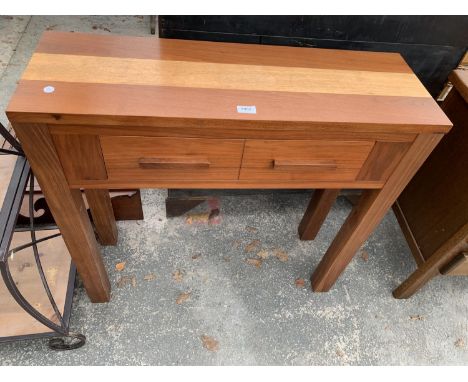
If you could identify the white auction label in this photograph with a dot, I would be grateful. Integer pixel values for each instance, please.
(246, 109)
(49, 89)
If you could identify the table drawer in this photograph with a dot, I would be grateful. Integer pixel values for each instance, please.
(149, 158)
(303, 160)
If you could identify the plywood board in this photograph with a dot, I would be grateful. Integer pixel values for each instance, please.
(14, 321)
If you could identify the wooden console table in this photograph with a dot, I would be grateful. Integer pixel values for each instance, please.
(104, 112)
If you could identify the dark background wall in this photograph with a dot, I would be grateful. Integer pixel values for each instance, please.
(432, 45)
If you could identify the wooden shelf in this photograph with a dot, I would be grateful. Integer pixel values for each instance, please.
(15, 323)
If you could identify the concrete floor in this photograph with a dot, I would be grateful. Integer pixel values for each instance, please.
(257, 315)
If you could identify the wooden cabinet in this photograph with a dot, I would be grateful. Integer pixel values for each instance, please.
(433, 209)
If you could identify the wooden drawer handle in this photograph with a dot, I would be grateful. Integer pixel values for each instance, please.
(181, 162)
(284, 164)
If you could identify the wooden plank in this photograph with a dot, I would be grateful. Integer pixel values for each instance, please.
(127, 205)
(85, 44)
(205, 75)
(146, 181)
(90, 103)
(208, 129)
(7, 165)
(103, 215)
(410, 239)
(299, 173)
(459, 79)
(56, 262)
(189, 84)
(316, 212)
(80, 156)
(4, 144)
(67, 208)
(365, 216)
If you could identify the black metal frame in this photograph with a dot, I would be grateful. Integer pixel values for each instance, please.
(22, 173)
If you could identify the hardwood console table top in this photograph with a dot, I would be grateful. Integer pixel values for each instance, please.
(101, 112)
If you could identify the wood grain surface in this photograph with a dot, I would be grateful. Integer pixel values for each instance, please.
(459, 79)
(165, 114)
(303, 160)
(104, 79)
(125, 158)
(433, 208)
(56, 262)
(368, 213)
(85, 44)
(67, 208)
(316, 212)
(7, 165)
(206, 75)
(382, 160)
(81, 156)
(100, 205)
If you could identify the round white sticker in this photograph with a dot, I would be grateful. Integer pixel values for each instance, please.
(49, 89)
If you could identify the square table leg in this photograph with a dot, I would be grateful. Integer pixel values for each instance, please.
(67, 207)
(317, 210)
(100, 204)
(367, 214)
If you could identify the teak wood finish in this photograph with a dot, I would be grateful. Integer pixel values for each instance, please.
(100, 205)
(132, 112)
(316, 212)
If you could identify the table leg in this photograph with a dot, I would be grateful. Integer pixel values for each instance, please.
(415, 281)
(317, 210)
(100, 204)
(368, 213)
(67, 207)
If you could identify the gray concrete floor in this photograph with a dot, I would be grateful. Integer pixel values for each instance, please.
(257, 315)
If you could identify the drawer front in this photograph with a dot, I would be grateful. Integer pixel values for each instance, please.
(303, 160)
(152, 158)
